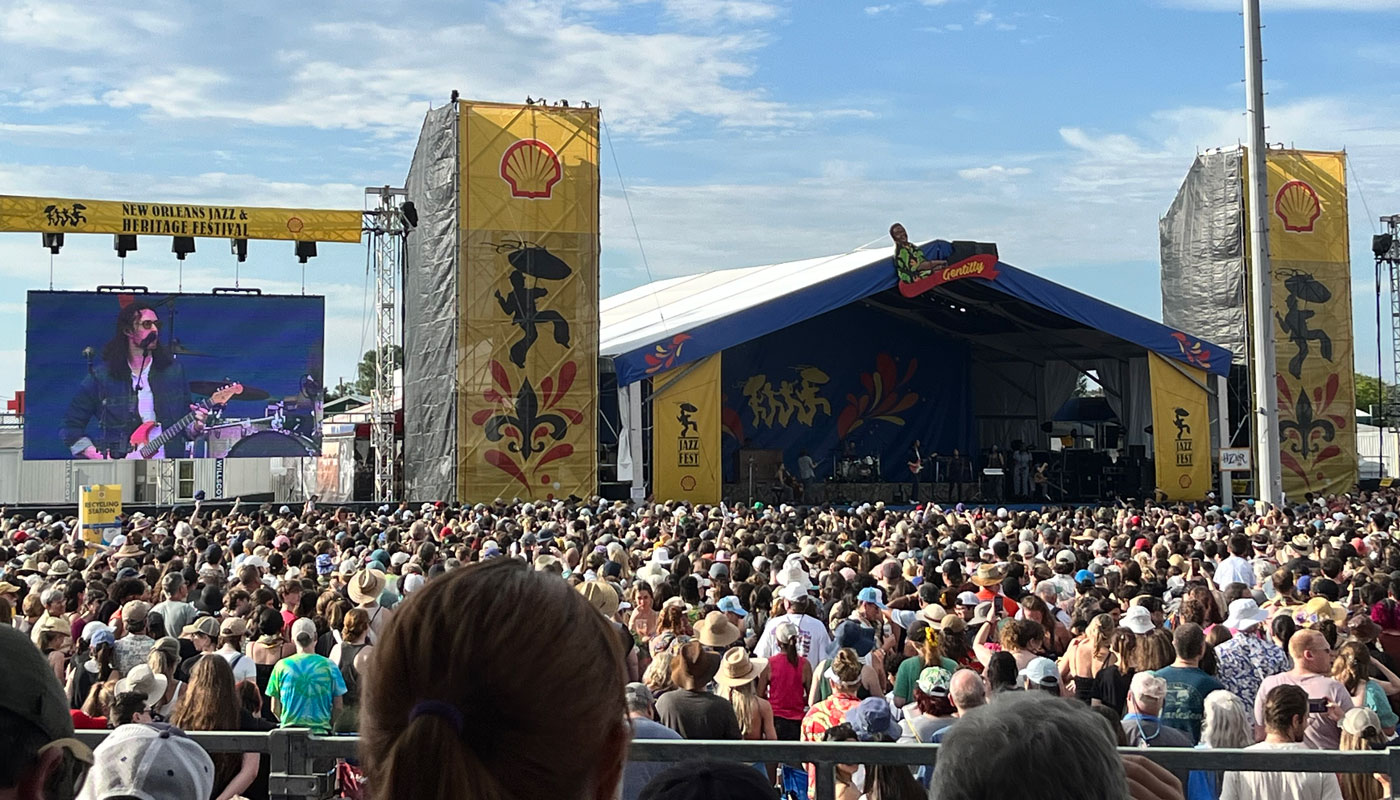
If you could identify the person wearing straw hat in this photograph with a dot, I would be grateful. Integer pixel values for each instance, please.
(716, 631)
(690, 710)
(738, 677)
(988, 578)
(364, 591)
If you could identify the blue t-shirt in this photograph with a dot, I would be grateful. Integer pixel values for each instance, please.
(1185, 704)
(306, 685)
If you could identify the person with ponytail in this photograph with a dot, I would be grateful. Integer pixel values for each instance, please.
(522, 698)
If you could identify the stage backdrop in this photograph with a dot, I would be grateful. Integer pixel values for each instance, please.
(1312, 321)
(528, 344)
(852, 374)
(265, 342)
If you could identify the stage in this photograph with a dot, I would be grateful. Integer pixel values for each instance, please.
(892, 494)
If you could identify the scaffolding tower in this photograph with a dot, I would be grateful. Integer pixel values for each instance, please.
(387, 225)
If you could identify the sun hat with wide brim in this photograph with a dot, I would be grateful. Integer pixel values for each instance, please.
(715, 630)
(1245, 613)
(366, 586)
(737, 669)
(129, 550)
(989, 575)
(145, 682)
(1320, 608)
(693, 667)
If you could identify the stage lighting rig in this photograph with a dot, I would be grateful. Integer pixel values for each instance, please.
(182, 246)
(123, 243)
(305, 250)
(54, 242)
(410, 213)
(239, 249)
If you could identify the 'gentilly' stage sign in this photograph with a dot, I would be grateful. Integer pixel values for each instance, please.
(979, 266)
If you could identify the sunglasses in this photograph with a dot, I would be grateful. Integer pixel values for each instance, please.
(148, 324)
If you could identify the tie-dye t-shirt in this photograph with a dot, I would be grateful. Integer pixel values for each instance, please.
(306, 685)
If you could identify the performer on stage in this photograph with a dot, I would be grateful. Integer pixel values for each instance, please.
(958, 473)
(1021, 472)
(916, 465)
(138, 380)
(997, 460)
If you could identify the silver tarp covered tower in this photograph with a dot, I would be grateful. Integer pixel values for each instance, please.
(430, 314)
(1203, 253)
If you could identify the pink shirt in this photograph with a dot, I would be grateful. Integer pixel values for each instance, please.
(1322, 733)
(785, 691)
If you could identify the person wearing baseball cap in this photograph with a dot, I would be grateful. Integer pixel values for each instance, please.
(813, 639)
(34, 712)
(306, 688)
(150, 761)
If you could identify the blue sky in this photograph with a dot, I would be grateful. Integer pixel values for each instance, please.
(747, 131)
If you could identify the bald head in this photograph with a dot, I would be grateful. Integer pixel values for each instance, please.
(967, 690)
(1311, 652)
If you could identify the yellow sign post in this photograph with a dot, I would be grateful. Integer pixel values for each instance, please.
(65, 215)
(99, 513)
(528, 363)
(685, 438)
(1180, 429)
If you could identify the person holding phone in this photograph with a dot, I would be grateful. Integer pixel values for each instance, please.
(1312, 667)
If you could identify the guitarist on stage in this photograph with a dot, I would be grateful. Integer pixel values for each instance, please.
(916, 466)
(138, 380)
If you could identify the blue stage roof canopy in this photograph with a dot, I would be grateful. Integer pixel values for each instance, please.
(671, 322)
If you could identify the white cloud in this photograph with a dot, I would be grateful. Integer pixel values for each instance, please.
(953, 26)
(710, 11)
(995, 171)
(983, 17)
(875, 10)
(55, 129)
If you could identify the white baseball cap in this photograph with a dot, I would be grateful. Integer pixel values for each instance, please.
(793, 591)
(151, 762)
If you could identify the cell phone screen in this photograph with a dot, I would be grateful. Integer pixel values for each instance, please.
(1317, 705)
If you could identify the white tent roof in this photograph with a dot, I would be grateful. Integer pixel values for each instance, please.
(649, 313)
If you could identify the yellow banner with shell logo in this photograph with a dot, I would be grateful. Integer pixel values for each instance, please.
(528, 300)
(1311, 270)
(66, 215)
(1180, 429)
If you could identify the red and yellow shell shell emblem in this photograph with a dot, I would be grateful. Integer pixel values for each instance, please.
(1297, 205)
(531, 168)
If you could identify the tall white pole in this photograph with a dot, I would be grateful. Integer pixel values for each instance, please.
(1269, 485)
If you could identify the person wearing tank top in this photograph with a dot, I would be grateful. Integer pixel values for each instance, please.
(790, 676)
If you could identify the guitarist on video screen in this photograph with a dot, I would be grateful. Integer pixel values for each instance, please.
(137, 381)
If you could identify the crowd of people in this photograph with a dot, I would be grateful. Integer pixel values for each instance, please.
(513, 649)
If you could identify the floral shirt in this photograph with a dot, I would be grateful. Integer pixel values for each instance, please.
(827, 714)
(1245, 661)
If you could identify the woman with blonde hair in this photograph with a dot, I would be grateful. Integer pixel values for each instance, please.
(672, 624)
(1086, 656)
(1361, 730)
(737, 678)
(531, 705)
(1354, 667)
(211, 704)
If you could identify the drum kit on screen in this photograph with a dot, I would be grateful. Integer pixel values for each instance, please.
(286, 429)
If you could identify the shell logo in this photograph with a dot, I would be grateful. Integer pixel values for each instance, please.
(1297, 205)
(531, 168)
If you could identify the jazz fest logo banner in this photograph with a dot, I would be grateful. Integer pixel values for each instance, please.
(685, 440)
(528, 363)
(1312, 320)
(62, 215)
(1180, 429)
(99, 513)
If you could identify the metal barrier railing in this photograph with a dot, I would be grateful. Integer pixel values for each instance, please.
(296, 757)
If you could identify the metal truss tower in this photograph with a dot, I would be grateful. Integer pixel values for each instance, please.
(387, 226)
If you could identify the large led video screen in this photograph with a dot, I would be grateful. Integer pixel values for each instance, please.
(151, 376)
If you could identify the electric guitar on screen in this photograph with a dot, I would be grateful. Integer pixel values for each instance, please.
(149, 440)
